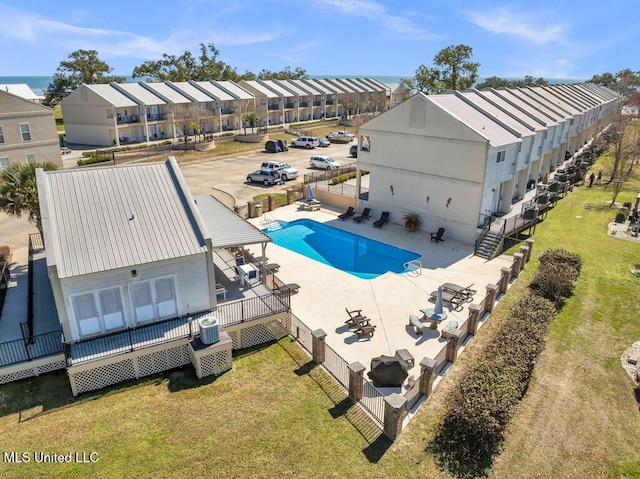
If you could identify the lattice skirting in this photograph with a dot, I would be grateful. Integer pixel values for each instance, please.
(212, 359)
(32, 368)
(132, 365)
(246, 337)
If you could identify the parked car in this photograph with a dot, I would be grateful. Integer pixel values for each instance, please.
(341, 134)
(266, 177)
(305, 142)
(323, 162)
(275, 146)
(285, 170)
(353, 151)
(322, 142)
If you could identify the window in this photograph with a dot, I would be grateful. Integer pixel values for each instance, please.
(501, 156)
(365, 143)
(155, 299)
(1, 136)
(31, 158)
(24, 130)
(98, 311)
(4, 163)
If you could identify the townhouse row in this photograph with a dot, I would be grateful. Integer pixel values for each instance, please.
(123, 113)
(462, 159)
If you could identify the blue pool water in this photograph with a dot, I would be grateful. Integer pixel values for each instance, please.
(354, 254)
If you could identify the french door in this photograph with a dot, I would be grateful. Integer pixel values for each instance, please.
(154, 299)
(98, 312)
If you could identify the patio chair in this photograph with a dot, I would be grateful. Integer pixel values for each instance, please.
(466, 292)
(347, 214)
(366, 330)
(437, 236)
(384, 218)
(355, 317)
(446, 331)
(454, 299)
(366, 214)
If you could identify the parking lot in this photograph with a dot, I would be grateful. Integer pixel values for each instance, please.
(229, 174)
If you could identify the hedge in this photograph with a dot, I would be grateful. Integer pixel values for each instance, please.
(480, 408)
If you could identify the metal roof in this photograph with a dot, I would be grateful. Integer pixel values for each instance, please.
(234, 89)
(277, 88)
(214, 91)
(268, 92)
(105, 218)
(553, 115)
(516, 121)
(310, 88)
(19, 89)
(143, 95)
(192, 91)
(479, 122)
(296, 89)
(111, 95)
(165, 91)
(324, 85)
(227, 228)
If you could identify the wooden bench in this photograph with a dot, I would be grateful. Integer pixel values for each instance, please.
(292, 287)
(365, 330)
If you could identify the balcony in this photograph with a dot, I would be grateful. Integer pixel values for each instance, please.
(156, 116)
(126, 119)
(290, 105)
(273, 106)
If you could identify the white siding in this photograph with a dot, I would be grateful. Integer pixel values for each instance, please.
(192, 287)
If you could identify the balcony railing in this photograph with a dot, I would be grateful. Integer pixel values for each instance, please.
(290, 105)
(140, 337)
(126, 119)
(156, 117)
(273, 106)
(39, 346)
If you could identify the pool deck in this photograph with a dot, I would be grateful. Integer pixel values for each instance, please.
(387, 300)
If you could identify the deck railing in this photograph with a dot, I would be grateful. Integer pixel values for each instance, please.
(144, 336)
(21, 350)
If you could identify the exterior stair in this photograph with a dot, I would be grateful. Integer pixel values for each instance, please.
(489, 245)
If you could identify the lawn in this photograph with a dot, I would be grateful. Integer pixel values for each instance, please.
(273, 415)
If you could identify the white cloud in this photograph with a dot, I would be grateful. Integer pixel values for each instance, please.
(522, 25)
(378, 13)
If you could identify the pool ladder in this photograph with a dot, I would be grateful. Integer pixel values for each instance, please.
(270, 223)
(413, 268)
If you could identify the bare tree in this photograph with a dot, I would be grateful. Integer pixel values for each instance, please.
(183, 117)
(202, 117)
(623, 138)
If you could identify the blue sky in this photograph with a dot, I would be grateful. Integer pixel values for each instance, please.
(551, 39)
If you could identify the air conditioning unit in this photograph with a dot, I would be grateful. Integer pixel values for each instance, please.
(209, 330)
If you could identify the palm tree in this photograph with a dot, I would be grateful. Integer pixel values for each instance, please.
(253, 119)
(19, 191)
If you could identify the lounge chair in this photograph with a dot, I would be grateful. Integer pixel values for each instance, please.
(347, 214)
(366, 330)
(355, 317)
(466, 292)
(384, 218)
(437, 236)
(454, 299)
(366, 214)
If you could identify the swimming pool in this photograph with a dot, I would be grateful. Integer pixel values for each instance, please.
(351, 253)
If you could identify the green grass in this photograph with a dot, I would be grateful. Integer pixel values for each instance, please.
(274, 416)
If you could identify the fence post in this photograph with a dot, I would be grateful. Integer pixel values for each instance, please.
(272, 203)
(427, 375)
(291, 197)
(394, 407)
(317, 346)
(490, 299)
(518, 260)
(251, 209)
(474, 318)
(452, 344)
(529, 243)
(523, 261)
(505, 276)
(356, 381)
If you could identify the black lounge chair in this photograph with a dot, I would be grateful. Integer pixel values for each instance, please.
(347, 214)
(366, 214)
(437, 236)
(384, 218)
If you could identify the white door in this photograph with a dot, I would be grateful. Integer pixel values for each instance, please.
(142, 301)
(165, 297)
(86, 312)
(111, 307)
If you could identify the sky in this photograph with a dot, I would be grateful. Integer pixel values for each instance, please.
(544, 38)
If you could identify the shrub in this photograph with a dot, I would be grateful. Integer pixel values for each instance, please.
(94, 159)
(627, 205)
(481, 407)
(553, 282)
(620, 217)
(564, 257)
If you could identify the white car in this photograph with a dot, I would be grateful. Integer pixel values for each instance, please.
(285, 170)
(305, 142)
(324, 163)
(341, 134)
